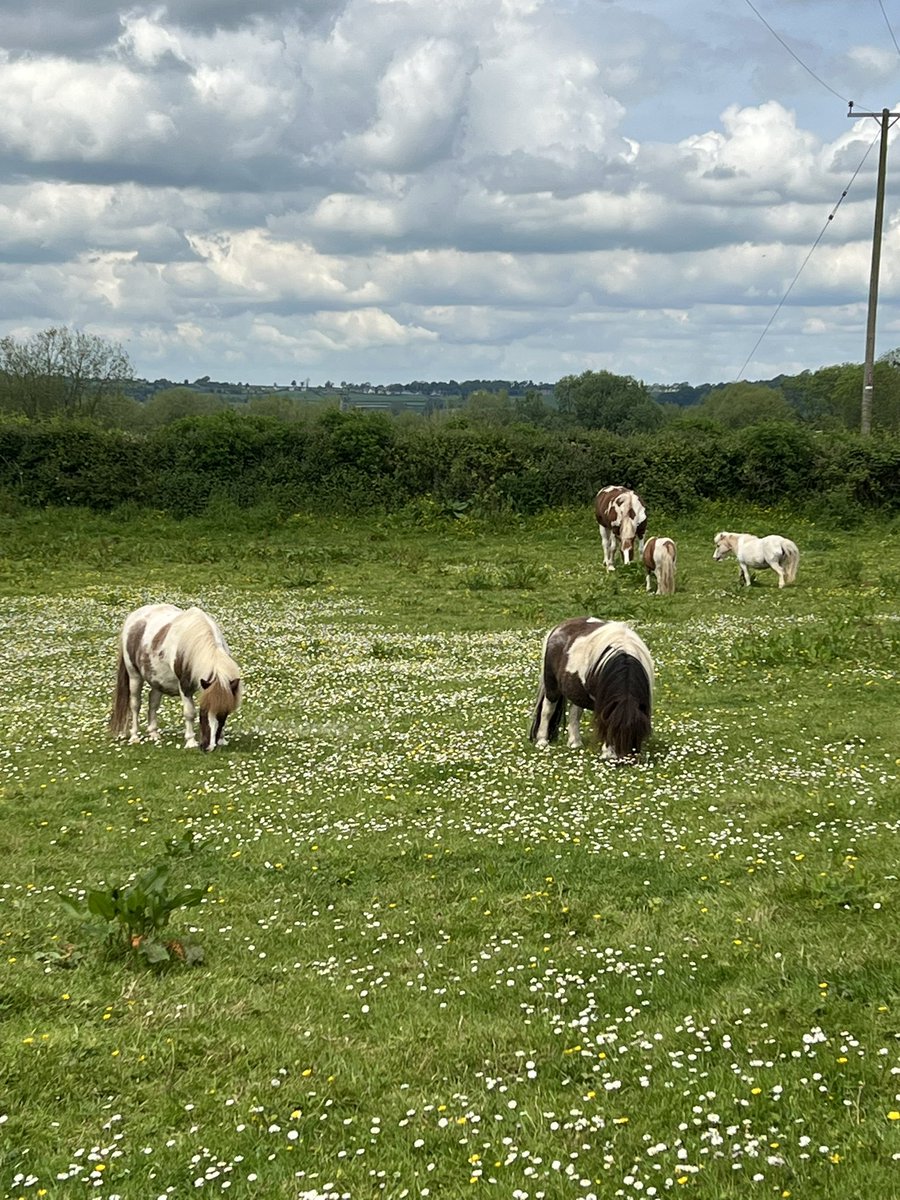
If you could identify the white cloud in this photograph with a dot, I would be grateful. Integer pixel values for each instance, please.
(417, 186)
(147, 41)
(57, 109)
(420, 98)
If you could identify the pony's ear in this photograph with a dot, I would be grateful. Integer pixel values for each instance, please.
(234, 685)
(204, 683)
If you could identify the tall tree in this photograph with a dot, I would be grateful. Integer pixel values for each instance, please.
(489, 408)
(602, 400)
(737, 405)
(171, 404)
(61, 371)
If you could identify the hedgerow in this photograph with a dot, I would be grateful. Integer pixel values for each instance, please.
(351, 462)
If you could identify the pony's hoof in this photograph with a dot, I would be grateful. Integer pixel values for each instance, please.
(574, 745)
(192, 744)
(154, 736)
(542, 744)
(134, 740)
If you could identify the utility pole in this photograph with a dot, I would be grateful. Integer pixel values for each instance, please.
(887, 119)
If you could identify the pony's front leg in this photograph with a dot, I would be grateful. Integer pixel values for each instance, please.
(152, 710)
(575, 727)
(609, 547)
(745, 574)
(190, 715)
(649, 575)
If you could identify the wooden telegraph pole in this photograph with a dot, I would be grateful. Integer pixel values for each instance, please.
(887, 119)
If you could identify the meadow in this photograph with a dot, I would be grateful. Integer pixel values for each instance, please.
(436, 961)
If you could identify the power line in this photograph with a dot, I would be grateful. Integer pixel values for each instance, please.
(831, 215)
(796, 56)
(890, 30)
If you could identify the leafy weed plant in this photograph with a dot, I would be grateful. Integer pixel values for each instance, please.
(133, 917)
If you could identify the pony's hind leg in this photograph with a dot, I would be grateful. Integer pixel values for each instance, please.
(541, 734)
(575, 727)
(545, 723)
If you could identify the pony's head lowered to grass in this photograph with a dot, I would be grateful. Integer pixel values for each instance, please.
(219, 698)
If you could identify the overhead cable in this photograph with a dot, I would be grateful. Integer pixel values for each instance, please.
(794, 55)
(890, 30)
(831, 215)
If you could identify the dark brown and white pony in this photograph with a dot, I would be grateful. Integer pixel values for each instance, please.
(175, 651)
(779, 553)
(602, 666)
(620, 515)
(661, 559)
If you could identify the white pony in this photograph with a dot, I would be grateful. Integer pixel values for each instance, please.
(660, 559)
(776, 552)
(176, 652)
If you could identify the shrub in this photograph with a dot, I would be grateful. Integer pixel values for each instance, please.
(350, 462)
(777, 462)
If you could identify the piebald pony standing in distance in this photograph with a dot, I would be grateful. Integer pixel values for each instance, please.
(175, 651)
(602, 666)
(660, 559)
(779, 553)
(620, 514)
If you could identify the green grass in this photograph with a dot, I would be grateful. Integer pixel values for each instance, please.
(439, 962)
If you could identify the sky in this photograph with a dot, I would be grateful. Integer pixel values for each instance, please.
(387, 190)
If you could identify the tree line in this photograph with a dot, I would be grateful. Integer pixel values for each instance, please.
(62, 372)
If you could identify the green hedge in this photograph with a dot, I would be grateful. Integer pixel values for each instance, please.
(353, 462)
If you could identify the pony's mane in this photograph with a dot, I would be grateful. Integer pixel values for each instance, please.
(613, 638)
(622, 713)
(197, 640)
(625, 677)
(626, 499)
(200, 647)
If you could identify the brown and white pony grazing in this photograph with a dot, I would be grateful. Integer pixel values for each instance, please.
(660, 559)
(175, 651)
(620, 515)
(779, 553)
(602, 666)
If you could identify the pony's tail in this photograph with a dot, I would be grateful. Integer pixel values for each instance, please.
(791, 562)
(556, 715)
(665, 570)
(622, 715)
(121, 708)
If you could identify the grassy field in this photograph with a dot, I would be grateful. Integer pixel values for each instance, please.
(438, 962)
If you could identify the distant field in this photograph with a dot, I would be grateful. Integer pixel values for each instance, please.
(438, 962)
